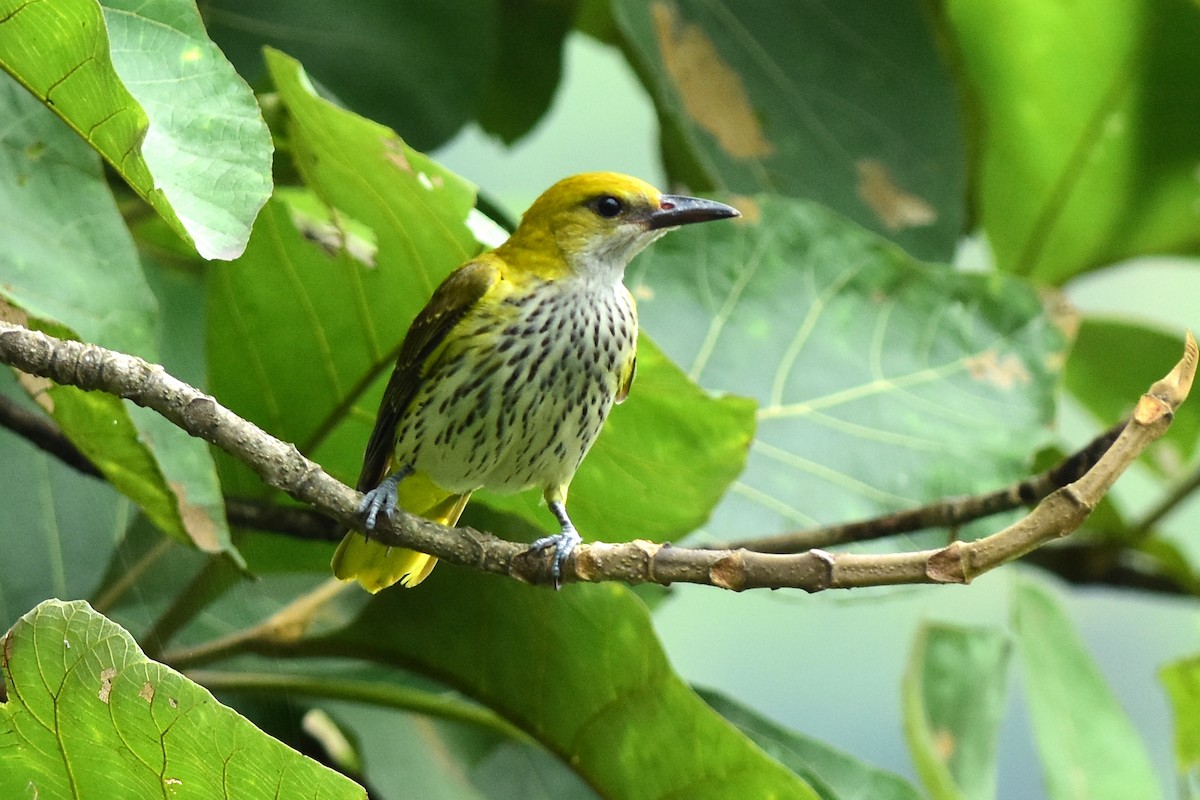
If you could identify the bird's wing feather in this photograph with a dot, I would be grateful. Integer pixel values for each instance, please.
(452, 300)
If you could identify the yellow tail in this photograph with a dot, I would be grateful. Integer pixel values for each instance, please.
(376, 566)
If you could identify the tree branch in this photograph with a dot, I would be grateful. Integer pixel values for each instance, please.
(282, 466)
(1092, 563)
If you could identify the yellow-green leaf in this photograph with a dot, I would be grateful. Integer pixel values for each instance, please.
(89, 716)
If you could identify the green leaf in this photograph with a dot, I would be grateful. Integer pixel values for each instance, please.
(67, 255)
(620, 717)
(144, 86)
(66, 523)
(531, 34)
(1182, 682)
(1085, 154)
(881, 381)
(812, 101)
(1143, 354)
(954, 695)
(409, 755)
(1088, 747)
(833, 774)
(420, 67)
(529, 772)
(69, 265)
(88, 715)
(144, 576)
(395, 735)
(148, 459)
(666, 456)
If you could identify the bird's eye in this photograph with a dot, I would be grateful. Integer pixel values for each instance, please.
(607, 206)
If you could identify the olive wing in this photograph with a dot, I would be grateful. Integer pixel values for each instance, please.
(452, 300)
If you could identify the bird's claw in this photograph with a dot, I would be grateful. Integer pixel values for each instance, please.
(564, 543)
(382, 500)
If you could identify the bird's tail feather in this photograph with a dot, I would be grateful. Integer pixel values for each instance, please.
(376, 566)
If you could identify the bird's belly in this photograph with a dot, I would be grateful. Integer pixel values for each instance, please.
(518, 405)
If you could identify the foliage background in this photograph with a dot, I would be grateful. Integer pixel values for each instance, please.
(828, 666)
(1129, 634)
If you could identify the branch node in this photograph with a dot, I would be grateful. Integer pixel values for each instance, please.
(826, 563)
(729, 572)
(88, 366)
(1081, 508)
(824, 556)
(949, 565)
(1150, 409)
(202, 411)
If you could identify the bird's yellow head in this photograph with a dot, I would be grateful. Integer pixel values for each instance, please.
(592, 225)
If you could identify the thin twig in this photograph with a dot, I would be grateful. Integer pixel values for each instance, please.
(45, 434)
(1111, 564)
(391, 695)
(296, 522)
(1171, 501)
(947, 513)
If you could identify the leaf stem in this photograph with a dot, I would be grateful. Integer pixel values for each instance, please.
(441, 705)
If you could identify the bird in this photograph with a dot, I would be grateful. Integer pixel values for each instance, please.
(508, 373)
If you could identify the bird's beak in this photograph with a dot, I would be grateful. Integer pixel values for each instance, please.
(675, 210)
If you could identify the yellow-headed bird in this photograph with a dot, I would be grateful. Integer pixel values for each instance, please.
(507, 375)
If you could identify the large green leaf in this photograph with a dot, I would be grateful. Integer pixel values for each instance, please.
(881, 381)
(402, 753)
(954, 695)
(66, 523)
(580, 670)
(143, 85)
(89, 716)
(1085, 116)
(420, 67)
(410, 69)
(67, 255)
(1182, 682)
(69, 265)
(833, 774)
(289, 320)
(531, 35)
(1089, 748)
(813, 101)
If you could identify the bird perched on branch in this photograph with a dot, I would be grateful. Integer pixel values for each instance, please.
(507, 375)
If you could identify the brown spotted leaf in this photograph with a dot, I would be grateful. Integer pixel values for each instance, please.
(809, 100)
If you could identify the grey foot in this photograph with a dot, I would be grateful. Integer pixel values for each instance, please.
(383, 501)
(564, 544)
